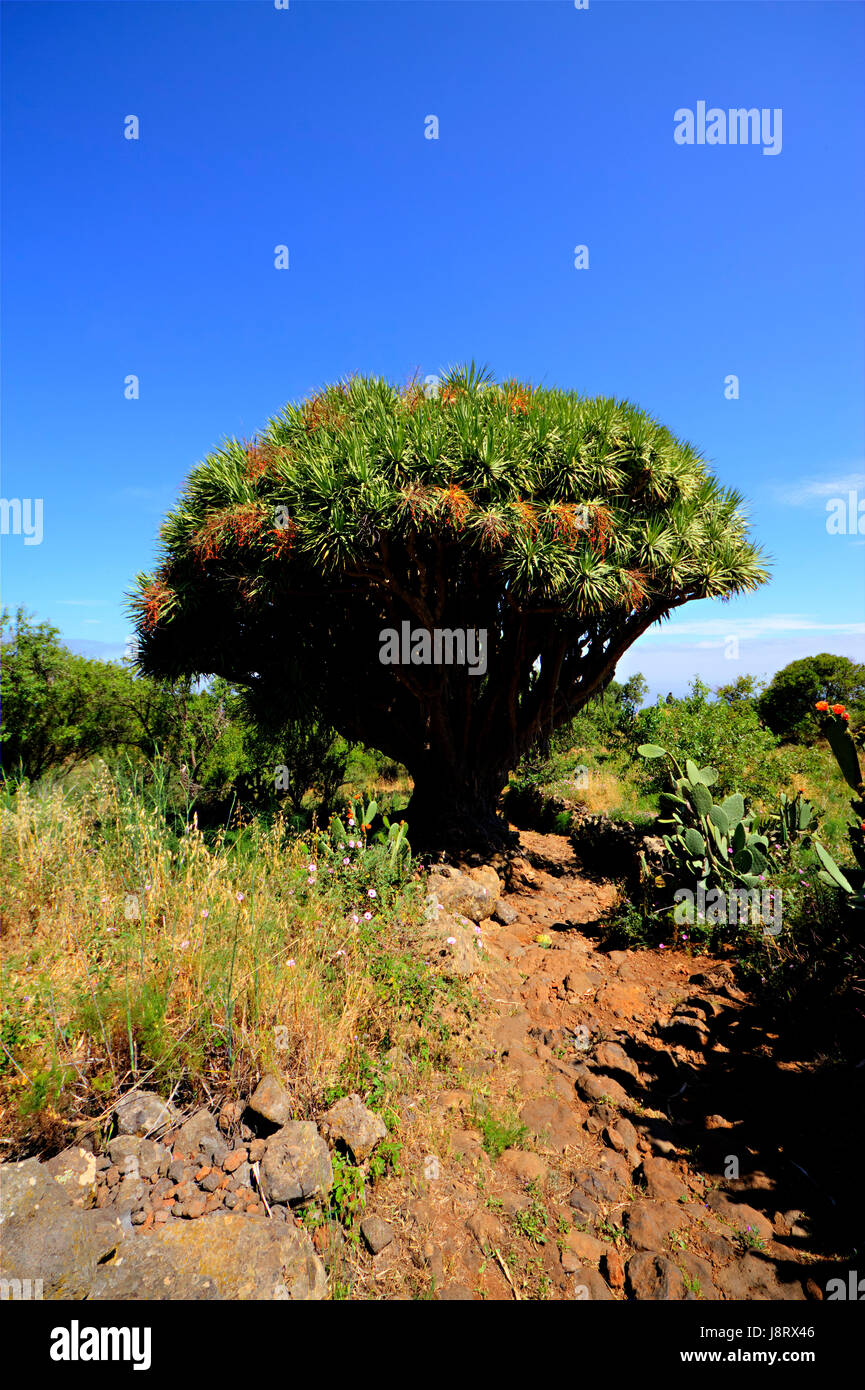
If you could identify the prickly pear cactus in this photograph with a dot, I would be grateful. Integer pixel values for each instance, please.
(836, 728)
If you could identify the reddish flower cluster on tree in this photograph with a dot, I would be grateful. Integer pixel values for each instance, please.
(320, 411)
(257, 460)
(153, 602)
(242, 525)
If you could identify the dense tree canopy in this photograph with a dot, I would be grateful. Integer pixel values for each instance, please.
(560, 527)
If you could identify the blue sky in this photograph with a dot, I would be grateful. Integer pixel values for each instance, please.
(306, 127)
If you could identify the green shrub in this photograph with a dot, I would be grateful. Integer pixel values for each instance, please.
(718, 733)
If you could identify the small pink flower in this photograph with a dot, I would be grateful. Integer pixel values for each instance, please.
(367, 916)
(372, 893)
(103, 900)
(351, 822)
(311, 868)
(340, 953)
(346, 861)
(354, 917)
(290, 962)
(661, 947)
(239, 897)
(477, 931)
(452, 941)
(205, 912)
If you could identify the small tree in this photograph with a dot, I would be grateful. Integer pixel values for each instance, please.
(786, 705)
(539, 530)
(58, 709)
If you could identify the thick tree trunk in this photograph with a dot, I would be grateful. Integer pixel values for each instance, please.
(455, 808)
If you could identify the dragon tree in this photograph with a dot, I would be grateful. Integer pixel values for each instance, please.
(443, 575)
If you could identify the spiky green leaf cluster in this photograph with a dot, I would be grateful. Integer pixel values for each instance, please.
(587, 504)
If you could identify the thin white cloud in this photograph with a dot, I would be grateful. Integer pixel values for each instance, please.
(769, 625)
(808, 490)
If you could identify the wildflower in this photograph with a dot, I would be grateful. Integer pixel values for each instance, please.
(103, 900)
(351, 822)
(340, 953)
(372, 893)
(661, 947)
(351, 844)
(367, 916)
(205, 912)
(311, 868)
(310, 879)
(477, 931)
(239, 897)
(837, 709)
(355, 918)
(822, 704)
(290, 962)
(346, 860)
(452, 941)
(845, 716)
(183, 945)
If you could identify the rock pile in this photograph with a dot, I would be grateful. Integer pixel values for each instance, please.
(121, 1223)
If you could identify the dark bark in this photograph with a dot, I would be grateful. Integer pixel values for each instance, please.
(455, 807)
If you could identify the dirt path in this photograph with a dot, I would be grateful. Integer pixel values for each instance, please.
(670, 1151)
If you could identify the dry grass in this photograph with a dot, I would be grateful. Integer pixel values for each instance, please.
(134, 955)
